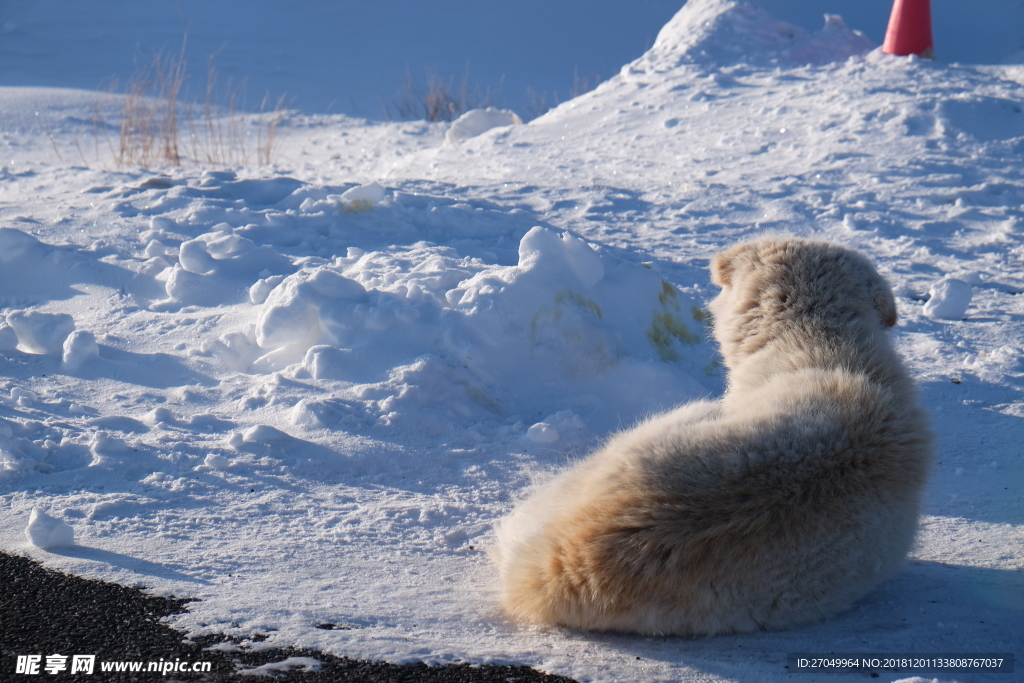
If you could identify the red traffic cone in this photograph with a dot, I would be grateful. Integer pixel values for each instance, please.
(910, 29)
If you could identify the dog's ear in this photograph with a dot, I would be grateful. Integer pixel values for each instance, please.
(721, 269)
(882, 298)
(723, 265)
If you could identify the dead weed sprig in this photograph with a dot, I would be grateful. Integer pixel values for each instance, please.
(435, 99)
(540, 103)
(219, 132)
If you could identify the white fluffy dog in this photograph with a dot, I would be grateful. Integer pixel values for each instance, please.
(780, 504)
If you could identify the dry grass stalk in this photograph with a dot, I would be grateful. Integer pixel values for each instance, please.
(218, 132)
(266, 139)
(436, 99)
(149, 124)
(538, 103)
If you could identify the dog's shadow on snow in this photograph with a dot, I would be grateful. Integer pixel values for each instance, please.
(928, 608)
(132, 564)
(975, 475)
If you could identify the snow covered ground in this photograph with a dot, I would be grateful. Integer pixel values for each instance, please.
(303, 392)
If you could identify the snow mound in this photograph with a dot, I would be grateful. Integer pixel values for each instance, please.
(41, 332)
(362, 198)
(949, 299)
(567, 328)
(723, 32)
(478, 121)
(218, 267)
(311, 306)
(563, 425)
(8, 337)
(79, 348)
(44, 531)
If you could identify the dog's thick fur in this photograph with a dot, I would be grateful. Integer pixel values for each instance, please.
(780, 504)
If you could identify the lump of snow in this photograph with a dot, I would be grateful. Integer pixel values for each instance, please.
(156, 249)
(264, 434)
(477, 121)
(18, 394)
(41, 332)
(11, 463)
(195, 257)
(105, 449)
(162, 415)
(287, 318)
(259, 292)
(306, 308)
(542, 432)
(568, 424)
(216, 462)
(582, 261)
(220, 267)
(44, 531)
(949, 299)
(79, 348)
(238, 349)
(155, 266)
(8, 338)
(362, 198)
(327, 362)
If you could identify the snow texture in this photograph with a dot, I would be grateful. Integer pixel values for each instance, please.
(305, 392)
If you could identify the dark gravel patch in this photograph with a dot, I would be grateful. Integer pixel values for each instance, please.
(45, 612)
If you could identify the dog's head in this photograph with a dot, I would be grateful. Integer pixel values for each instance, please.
(771, 281)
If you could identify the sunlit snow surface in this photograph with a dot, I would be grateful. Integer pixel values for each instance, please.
(305, 398)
